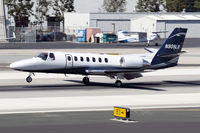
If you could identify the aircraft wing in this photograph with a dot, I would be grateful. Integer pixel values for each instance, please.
(124, 73)
(10, 38)
(109, 71)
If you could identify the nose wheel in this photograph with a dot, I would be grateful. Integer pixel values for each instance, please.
(29, 78)
(118, 83)
(86, 80)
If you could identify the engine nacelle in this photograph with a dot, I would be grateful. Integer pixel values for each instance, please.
(132, 62)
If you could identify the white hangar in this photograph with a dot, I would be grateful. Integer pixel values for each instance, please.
(138, 22)
(108, 22)
(167, 22)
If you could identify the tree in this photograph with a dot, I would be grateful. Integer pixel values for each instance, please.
(114, 5)
(42, 11)
(197, 5)
(183, 5)
(60, 7)
(175, 5)
(20, 10)
(150, 5)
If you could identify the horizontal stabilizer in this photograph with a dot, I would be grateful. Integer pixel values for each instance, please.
(151, 50)
(157, 32)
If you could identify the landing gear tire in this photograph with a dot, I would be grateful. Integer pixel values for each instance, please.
(86, 80)
(118, 83)
(29, 79)
(156, 44)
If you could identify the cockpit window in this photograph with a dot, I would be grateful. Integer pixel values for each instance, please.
(52, 56)
(43, 56)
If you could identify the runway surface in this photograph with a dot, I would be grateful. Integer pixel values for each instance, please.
(162, 101)
(173, 87)
(69, 94)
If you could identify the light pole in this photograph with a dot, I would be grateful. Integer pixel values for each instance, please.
(113, 24)
(4, 13)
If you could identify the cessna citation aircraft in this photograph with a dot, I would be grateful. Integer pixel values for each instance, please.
(114, 66)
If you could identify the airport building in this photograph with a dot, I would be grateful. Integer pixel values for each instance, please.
(138, 22)
(167, 22)
(108, 22)
(2, 22)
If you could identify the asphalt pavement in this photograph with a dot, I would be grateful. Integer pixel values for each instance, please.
(189, 43)
(148, 121)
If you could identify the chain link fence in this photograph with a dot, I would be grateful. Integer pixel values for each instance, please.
(33, 34)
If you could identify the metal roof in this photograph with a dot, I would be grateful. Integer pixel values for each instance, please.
(172, 17)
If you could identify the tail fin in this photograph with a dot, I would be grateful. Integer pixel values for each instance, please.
(171, 48)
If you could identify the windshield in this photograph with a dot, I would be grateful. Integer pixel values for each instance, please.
(43, 56)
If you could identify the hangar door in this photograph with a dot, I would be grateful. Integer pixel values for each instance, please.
(192, 26)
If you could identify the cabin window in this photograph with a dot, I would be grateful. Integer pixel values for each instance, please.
(106, 60)
(43, 56)
(75, 58)
(88, 59)
(52, 56)
(100, 60)
(69, 58)
(82, 59)
(93, 59)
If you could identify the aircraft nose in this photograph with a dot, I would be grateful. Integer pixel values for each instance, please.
(22, 65)
(16, 65)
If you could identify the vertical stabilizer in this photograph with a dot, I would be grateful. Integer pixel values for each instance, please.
(171, 48)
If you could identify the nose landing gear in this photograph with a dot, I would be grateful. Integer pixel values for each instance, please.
(29, 78)
(86, 80)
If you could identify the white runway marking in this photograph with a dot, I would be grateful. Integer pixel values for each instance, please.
(89, 103)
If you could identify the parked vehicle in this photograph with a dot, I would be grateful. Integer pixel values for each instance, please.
(109, 38)
(52, 36)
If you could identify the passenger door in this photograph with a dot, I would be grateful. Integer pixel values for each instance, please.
(69, 61)
(122, 62)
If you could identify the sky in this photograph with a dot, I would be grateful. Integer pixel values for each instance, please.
(86, 6)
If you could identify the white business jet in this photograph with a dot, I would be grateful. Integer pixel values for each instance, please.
(114, 66)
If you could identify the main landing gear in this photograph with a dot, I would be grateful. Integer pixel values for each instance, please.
(86, 80)
(29, 78)
(118, 83)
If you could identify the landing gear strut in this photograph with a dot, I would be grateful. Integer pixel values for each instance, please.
(118, 83)
(29, 78)
(86, 80)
